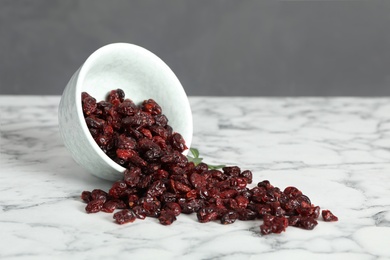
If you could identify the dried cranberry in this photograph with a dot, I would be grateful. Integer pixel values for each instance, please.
(242, 202)
(232, 171)
(145, 181)
(118, 189)
(229, 217)
(327, 215)
(88, 103)
(152, 206)
(98, 194)
(248, 175)
(86, 196)
(139, 212)
(125, 216)
(207, 214)
(273, 224)
(246, 214)
(151, 107)
(168, 197)
(167, 217)
(127, 108)
(292, 192)
(132, 176)
(294, 221)
(161, 120)
(157, 188)
(115, 97)
(178, 142)
(174, 207)
(109, 206)
(94, 122)
(132, 200)
(307, 223)
(160, 182)
(265, 184)
(126, 142)
(94, 206)
(190, 206)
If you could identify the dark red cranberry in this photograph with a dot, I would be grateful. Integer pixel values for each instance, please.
(94, 122)
(161, 120)
(265, 184)
(126, 142)
(167, 217)
(248, 175)
(88, 103)
(127, 108)
(98, 194)
(118, 189)
(124, 216)
(242, 202)
(327, 215)
(207, 214)
(132, 200)
(160, 182)
(86, 196)
(157, 188)
(307, 223)
(115, 97)
(190, 206)
(132, 176)
(151, 107)
(201, 168)
(229, 217)
(168, 197)
(178, 142)
(273, 224)
(246, 214)
(294, 221)
(151, 205)
(174, 207)
(233, 171)
(109, 206)
(292, 192)
(94, 206)
(139, 212)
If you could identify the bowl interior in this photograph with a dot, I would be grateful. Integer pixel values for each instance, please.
(141, 75)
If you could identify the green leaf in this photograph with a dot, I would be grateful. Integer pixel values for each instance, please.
(197, 160)
(194, 152)
(216, 167)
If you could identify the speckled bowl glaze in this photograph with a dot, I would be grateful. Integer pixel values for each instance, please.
(142, 75)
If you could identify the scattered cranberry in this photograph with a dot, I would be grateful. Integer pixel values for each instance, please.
(273, 224)
(86, 196)
(160, 182)
(124, 216)
(327, 215)
(167, 217)
(229, 217)
(94, 206)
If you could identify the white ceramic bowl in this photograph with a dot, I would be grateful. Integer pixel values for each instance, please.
(142, 75)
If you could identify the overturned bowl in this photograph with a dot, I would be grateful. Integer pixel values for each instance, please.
(141, 75)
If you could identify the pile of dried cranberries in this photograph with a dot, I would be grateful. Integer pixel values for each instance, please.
(160, 182)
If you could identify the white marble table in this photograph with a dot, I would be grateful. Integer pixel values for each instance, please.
(336, 150)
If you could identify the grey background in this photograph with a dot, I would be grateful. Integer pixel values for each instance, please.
(245, 48)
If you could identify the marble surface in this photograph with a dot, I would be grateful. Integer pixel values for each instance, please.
(336, 150)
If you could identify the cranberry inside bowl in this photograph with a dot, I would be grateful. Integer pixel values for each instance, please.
(142, 76)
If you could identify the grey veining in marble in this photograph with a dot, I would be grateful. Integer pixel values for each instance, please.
(336, 150)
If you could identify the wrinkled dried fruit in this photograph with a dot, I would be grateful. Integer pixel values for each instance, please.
(124, 216)
(327, 215)
(160, 182)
